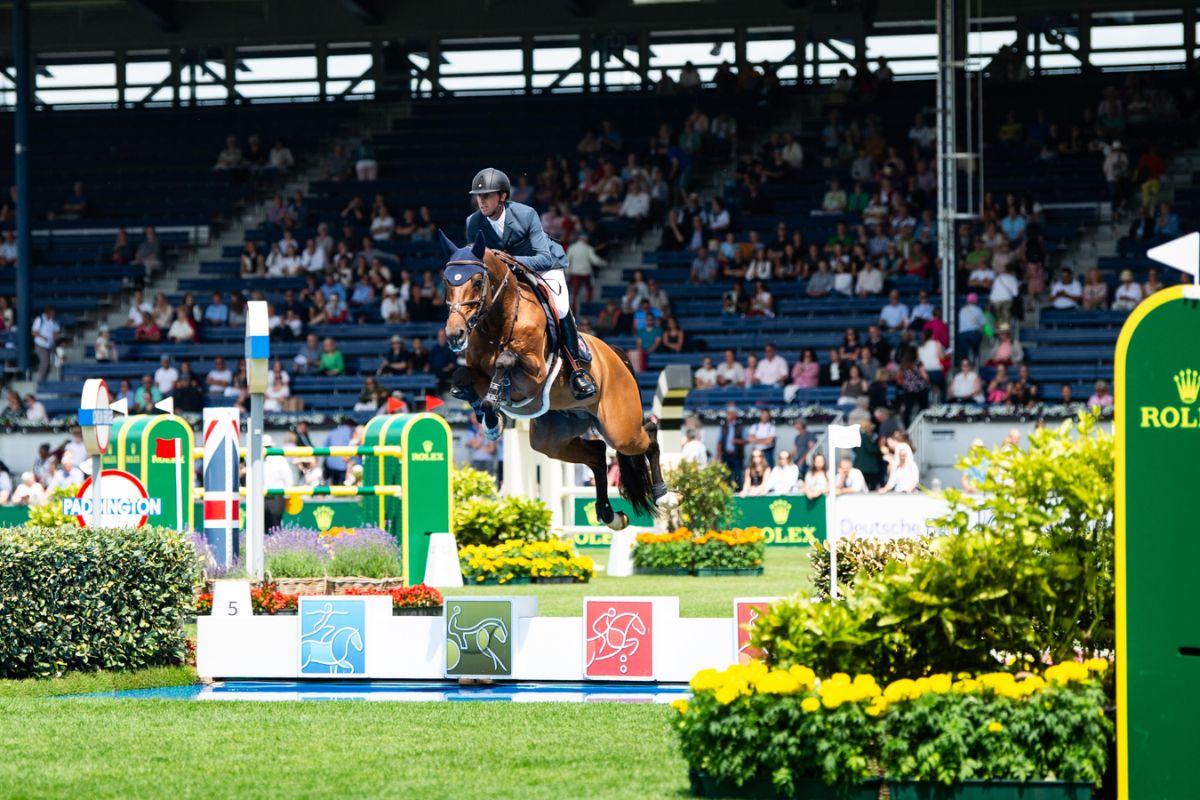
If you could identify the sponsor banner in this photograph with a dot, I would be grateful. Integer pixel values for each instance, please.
(113, 507)
(888, 516)
(789, 521)
(124, 502)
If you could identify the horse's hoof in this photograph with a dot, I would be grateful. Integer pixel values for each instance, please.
(659, 490)
(620, 521)
(604, 511)
(668, 500)
(493, 433)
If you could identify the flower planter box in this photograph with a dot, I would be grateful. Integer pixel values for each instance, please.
(288, 612)
(558, 579)
(417, 611)
(728, 572)
(806, 789)
(340, 585)
(990, 790)
(661, 571)
(302, 585)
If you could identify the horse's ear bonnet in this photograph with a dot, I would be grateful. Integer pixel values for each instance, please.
(463, 263)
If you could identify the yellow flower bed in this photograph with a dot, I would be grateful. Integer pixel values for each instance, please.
(515, 559)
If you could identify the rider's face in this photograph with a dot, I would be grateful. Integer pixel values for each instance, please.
(490, 204)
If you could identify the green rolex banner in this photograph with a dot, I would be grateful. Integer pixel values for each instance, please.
(1157, 426)
(787, 520)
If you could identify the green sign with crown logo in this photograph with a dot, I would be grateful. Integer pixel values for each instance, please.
(789, 521)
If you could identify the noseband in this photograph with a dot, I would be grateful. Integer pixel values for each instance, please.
(485, 304)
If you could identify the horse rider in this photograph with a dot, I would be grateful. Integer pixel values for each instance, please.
(516, 229)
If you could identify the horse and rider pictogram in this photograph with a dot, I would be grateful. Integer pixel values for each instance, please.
(332, 637)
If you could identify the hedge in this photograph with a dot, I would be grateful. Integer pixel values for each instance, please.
(87, 599)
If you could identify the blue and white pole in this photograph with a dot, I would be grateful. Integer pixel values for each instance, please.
(258, 357)
(95, 419)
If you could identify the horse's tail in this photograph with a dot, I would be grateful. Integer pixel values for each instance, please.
(635, 483)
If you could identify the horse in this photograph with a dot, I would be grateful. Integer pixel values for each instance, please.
(497, 319)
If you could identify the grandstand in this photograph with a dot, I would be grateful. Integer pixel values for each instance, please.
(155, 167)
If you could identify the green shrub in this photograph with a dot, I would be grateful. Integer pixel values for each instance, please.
(470, 483)
(367, 561)
(866, 557)
(50, 513)
(76, 598)
(294, 564)
(664, 550)
(482, 520)
(1034, 577)
(706, 496)
(737, 549)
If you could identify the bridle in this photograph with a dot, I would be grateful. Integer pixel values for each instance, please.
(485, 304)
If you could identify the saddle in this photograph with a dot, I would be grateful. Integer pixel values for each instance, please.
(541, 290)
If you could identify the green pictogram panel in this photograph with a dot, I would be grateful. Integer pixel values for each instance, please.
(479, 636)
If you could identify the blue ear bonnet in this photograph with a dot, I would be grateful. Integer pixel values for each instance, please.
(462, 263)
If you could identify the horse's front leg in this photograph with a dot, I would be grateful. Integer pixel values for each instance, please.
(501, 372)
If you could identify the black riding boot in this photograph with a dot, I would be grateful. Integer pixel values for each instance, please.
(582, 385)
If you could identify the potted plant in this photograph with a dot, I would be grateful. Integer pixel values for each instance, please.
(267, 599)
(663, 553)
(407, 601)
(735, 552)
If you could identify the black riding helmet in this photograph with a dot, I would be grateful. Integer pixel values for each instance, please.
(489, 180)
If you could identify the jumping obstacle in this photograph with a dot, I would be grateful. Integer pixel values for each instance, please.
(406, 481)
(157, 450)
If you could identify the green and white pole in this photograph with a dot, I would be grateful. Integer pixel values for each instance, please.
(258, 356)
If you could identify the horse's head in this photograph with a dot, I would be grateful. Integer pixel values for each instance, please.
(469, 289)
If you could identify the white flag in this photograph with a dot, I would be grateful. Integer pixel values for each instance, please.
(1182, 254)
(844, 436)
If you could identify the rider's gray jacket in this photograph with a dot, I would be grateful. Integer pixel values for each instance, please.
(523, 238)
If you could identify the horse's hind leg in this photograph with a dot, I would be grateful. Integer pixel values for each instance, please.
(662, 495)
(559, 438)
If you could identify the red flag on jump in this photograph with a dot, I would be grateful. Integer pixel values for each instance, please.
(432, 402)
(166, 448)
(394, 405)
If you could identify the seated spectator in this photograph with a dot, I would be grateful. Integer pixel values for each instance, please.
(337, 165)
(1101, 397)
(1128, 293)
(658, 298)
(217, 313)
(165, 376)
(834, 201)
(76, 205)
(34, 410)
(729, 371)
(648, 332)
(967, 387)
(704, 267)
(420, 356)
(1066, 291)
(331, 362)
(276, 397)
(820, 283)
(383, 226)
(104, 350)
(997, 391)
(843, 279)
(1166, 224)
(611, 320)
(869, 282)
(757, 476)
(1095, 291)
(146, 396)
(806, 373)
(785, 476)
(706, 376)
(371, 396)
(398, 359)
(674, 237)
(894, 316)
(147, 331)
(28, 492)
(816, 479)
(8, 248)
(280, 157)
(219, 378)
(122, 250)
(1013, 226)
(335, 312)
(904, 476)
(718, 217)
(849, 480)
(66, 474)
(762, 302)
(855, 385)
(231, 157)
(773, 369)
(673, 339)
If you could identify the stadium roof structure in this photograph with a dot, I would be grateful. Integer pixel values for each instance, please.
(83, 26)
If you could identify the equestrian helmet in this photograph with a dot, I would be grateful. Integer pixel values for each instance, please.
(490, 179)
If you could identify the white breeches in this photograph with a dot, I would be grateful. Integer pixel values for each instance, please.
(557, 280)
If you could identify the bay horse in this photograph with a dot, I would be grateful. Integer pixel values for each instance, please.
(497, 319)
